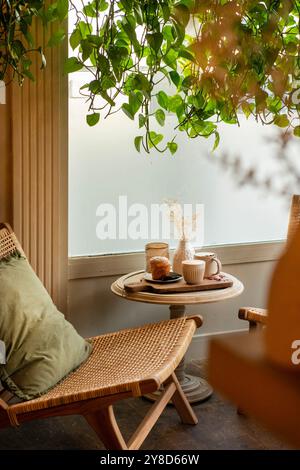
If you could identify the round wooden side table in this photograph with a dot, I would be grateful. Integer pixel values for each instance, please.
(196, 389)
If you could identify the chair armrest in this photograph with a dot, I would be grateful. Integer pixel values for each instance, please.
(197, 319)
(252, 314)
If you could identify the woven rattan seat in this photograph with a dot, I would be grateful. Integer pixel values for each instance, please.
(120, 362)
(127, 363)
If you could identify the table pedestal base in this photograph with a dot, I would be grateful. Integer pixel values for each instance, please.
(196, 389)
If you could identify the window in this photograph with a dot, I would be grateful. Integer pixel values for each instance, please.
(104, 165)
(105, 170)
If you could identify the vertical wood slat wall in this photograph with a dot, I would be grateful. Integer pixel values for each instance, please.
(40, 174)
(5, 161)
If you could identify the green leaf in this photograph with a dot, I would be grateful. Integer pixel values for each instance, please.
(86, 49)
(179, 33)
(247, 108)
(297, 131)
(160, 117)
(138, 13)
(175, 77)
(103, 5)
(75, 38)
(170, 59)
(168, 33)
(155, 41)
(154, 139)
(108, 82)
(186, 55)
(95, 87)
(131, 33)
(94, 40)
(56, 38)
(89, 10)
(162, 99)
(28, 74)
(165, 11)
(281, 120)
(172, 146)
(92, 119)
(106, 97)
(62, 9)
(138, 82)
(217, 140)
(103, 63)
(128, 111)
(137, 142)
(29, 38)
(182, 14)
(187, 82)
(72, 64)
(142, 120)
(135, 101)
(174, 102)
(202, 128)
(127, 4)
(85, 29)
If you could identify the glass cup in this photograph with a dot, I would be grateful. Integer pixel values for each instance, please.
(155, 249)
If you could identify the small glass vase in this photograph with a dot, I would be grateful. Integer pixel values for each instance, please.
(184, 251)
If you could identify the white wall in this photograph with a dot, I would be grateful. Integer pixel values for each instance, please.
(95, 310)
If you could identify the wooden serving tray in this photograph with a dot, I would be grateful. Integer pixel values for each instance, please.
(176, 287)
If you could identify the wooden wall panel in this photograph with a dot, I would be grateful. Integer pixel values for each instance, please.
(5, 161)
(40, 170)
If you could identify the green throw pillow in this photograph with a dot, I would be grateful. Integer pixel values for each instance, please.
(41, 346)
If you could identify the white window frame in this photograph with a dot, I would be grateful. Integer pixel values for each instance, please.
(83, 267)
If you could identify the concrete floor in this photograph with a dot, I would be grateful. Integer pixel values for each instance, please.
(219, 428)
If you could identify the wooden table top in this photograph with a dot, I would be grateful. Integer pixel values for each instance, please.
(186, 298)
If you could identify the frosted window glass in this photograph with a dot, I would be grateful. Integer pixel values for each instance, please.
(104, 165)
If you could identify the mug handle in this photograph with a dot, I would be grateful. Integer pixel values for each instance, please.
(219, 266)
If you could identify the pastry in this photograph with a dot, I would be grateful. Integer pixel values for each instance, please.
(160, 267)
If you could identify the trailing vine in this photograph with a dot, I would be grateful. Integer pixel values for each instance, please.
(201, 61)
(17, 43)
(219, 57)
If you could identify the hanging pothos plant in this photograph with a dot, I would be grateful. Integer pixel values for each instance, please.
(219, 57)
(17, 43)
(202, 61)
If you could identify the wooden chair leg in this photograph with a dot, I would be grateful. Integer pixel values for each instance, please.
(253, 326)
(151, 418)
(105, 425)
(182, 404)
(104, 422)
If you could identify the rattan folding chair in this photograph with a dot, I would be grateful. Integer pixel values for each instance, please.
(128, 363)
(258, 317)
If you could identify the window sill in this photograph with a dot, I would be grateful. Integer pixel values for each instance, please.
(84, 267)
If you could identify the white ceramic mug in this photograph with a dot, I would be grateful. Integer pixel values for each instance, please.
(193, 271)
(213, 264)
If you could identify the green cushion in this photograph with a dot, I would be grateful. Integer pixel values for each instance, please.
(41, 346)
